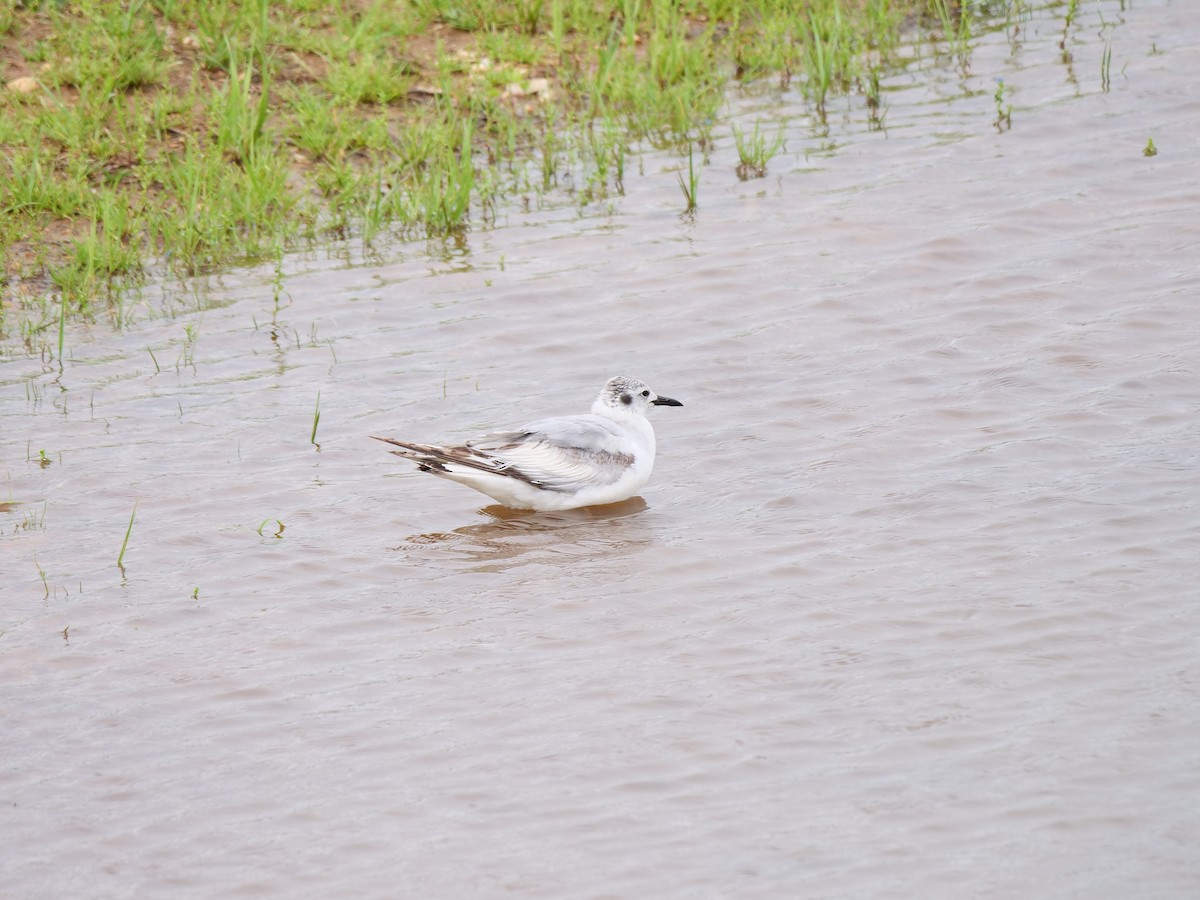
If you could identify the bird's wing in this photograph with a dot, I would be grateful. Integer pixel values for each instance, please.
(564, 453)
(591, 433)
(560, 454)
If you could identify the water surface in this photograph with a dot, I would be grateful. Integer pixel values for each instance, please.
(908, 608)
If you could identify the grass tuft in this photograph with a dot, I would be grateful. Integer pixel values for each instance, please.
(755, 150)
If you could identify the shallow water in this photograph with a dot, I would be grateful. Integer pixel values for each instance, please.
(908, 608)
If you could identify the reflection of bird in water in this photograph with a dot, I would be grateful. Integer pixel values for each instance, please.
(556, 538)
(557, 464)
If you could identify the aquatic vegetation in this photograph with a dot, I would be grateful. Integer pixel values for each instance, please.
(312, 438)
(833, 44)
(32, 519)
(755, 150)
(45, 584)
(955, 21)
(62, 323)
(1068, 21)
(125, 543)
(691, 184)
(187, 353)
(1003, 110)
(1106, 65)
(278, 531)
(1150, 149)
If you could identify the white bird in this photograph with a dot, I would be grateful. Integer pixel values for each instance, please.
(559, 463)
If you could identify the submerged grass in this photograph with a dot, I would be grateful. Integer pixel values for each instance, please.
(191, 135)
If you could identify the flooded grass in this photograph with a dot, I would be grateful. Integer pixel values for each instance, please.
(192, 136)
(312, 438)
(279, 529)
(125, 543)
(955, 20)
(1106, 66)
(1003, 108)
(755, 150)
(690, 185)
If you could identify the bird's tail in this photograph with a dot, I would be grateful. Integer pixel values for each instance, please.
(431, 458)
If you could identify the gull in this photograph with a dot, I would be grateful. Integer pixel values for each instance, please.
(560, 463)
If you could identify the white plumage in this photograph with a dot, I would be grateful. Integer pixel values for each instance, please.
(559, 463)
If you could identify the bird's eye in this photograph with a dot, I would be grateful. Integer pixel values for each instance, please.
(645, 393)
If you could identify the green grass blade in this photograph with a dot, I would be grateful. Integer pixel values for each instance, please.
(316, 420)
(125, 543)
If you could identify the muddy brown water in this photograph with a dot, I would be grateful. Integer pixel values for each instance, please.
(910, 607)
